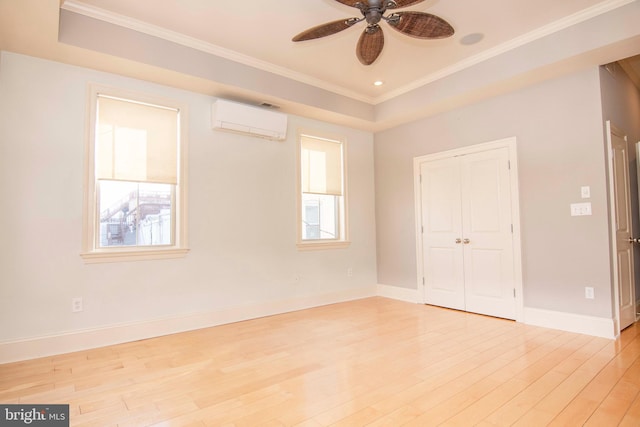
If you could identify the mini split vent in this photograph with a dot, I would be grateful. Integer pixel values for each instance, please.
(260, 122)
(266, 104)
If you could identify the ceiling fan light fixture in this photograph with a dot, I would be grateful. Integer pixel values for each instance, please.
(378, 83)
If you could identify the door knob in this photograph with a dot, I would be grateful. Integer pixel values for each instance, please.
(458, 240)
(633, 240)
(466, 241)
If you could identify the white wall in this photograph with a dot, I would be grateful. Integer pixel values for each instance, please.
(242, 218)
(559, 131)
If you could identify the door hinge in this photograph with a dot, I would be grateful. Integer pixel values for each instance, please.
(511, 228)
(422, 229)
(514, 292)
(423, 281)
(420, 176)
(509, 164)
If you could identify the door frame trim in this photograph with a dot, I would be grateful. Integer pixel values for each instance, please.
(511, 145)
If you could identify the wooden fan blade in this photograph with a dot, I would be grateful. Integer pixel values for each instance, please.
(351, 3)
(370, 44)
(404, 3)
(325, 29)
(421, 25)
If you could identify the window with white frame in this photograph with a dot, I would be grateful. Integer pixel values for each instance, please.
(135, 190)
(322, 196)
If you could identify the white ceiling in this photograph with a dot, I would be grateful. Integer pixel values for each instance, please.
(257, 33)
(632, 67)
(261, 32)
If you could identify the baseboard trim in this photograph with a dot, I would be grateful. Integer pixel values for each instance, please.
(19, 350)
(570, 322)
(44, 346)
(395, 292)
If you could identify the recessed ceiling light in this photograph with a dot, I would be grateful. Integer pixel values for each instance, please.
(472, 38)
(378, 83)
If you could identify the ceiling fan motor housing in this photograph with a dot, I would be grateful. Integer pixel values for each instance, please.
(373, 11)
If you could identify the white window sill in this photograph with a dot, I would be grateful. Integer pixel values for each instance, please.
(317, 245)
(129, 255)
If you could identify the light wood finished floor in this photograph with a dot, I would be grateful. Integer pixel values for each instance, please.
(373, 362)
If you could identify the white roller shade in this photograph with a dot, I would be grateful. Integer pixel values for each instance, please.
(136, 142)
(321, 163)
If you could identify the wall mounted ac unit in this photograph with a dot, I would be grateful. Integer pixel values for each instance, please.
(247, 119)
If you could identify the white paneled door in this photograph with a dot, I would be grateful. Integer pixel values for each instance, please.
(467, 243)
(442, 233)
(623, 245)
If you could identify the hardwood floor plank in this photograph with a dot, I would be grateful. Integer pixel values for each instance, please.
(518, 376)
(613, 409)
(387, 386)
(632, 416)
(509, 384)
(375, 362)
(544, 412)
(608, 395)
(545, 380)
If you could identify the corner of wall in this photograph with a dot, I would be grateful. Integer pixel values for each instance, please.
(397, 293)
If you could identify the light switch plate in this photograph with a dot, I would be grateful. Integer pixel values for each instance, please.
(585, 192)
(580, 209)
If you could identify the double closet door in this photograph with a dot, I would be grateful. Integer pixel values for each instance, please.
(467, 233)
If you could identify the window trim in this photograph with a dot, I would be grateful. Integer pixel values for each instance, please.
(322, 244)
(91, 252)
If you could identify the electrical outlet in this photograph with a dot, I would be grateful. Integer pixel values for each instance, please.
(76, 305)
(349, 272)
(589, 292)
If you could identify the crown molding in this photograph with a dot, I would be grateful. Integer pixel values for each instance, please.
(191, 42)
(210, 48)
(554, 27)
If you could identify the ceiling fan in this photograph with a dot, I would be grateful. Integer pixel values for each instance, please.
(414, 24)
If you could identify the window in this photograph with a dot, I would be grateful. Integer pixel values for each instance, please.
(321, 200)
(135, 190)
